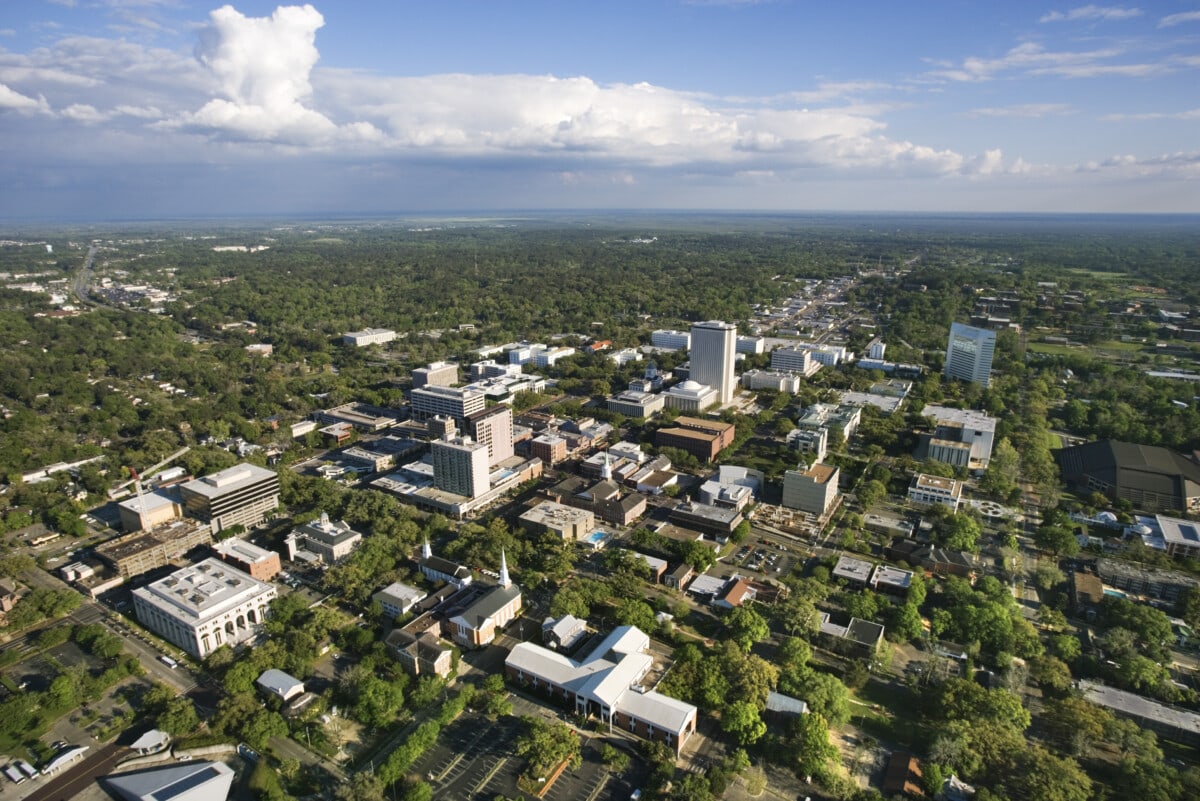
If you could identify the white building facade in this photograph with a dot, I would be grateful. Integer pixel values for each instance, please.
(202, 607)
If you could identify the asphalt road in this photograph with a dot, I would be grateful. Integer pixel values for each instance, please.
(75, 779)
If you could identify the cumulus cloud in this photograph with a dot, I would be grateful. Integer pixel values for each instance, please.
(12, 99)
(261, 66)
(1172, 20)
(1091, 12)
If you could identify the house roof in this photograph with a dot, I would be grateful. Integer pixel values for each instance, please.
(279, 683)
(786, 704)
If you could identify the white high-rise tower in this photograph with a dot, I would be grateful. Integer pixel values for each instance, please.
(714, 344)
(969, 353)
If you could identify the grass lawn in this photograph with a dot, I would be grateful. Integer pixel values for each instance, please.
(892, 712)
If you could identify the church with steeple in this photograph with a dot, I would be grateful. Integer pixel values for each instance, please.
(488, 611)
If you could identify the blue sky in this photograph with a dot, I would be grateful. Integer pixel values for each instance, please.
(163, 108)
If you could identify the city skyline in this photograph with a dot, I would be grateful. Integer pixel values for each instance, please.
(149, 109)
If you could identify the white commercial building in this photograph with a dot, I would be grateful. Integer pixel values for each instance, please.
(778, 380)
(636, 404)
(963, 438)
(927, 489)
(329, 540)
(369, 336)
(456, 402)
(437, 374)
(751, 345)
(202, 607)
(969, 352)
(794, 360)
(670, 340)
(607, 683)
(460, 465)
(714, 345)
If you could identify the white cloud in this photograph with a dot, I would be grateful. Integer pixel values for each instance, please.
(82, 112)
(12, 99)
(1091, 12)
(1178, 19)
(140, 112)
(1190, 114)
(262, 67)
(1033, 59)
(1029, 110)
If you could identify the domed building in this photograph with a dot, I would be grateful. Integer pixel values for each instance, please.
(690, 396)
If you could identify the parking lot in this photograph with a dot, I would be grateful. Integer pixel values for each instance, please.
(763, 556)
(475, 759)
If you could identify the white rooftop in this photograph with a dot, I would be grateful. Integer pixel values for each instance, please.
(228, 480)
(202, 591)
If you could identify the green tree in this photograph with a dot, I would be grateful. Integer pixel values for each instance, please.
(545, 744)
(808, 744)
(741, 719)
(746, 627)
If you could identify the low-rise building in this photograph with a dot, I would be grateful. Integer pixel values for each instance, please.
(704, 439)
(854, 570)
(278, 684)
(369, 336)
(1175, 724)
(475, 623)
(569, 523)
(892, 580)
(671, 340)
(778, 380)
(360, 416)
(138, 553)
(1181, 537)
(439, 570)
(810, 440)
(715, 520)
(260, 563)
(606, 682)
(564, 633)
(636, 404)
(397, 599)
(149, 510)
(324, 540)
(421, 653)
(927, 490)
(678, 578)
(858, 638)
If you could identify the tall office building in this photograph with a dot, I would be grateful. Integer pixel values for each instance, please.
(240, 495)
(460, 465)
(969, 353)
(713, 346)
(493, 427)
(457, 402)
